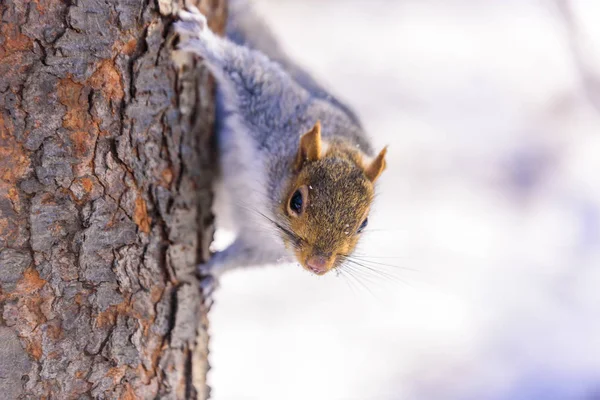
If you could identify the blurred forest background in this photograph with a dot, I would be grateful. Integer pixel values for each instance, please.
(488, 218)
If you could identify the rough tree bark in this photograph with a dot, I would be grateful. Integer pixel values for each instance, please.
(106, 169)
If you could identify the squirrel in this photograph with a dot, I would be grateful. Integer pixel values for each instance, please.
(295, 163)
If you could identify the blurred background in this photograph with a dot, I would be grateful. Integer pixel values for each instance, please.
(484, 245)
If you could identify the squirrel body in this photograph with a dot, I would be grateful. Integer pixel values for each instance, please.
(296, 169)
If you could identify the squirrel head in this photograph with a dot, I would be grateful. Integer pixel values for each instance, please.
(327, 202)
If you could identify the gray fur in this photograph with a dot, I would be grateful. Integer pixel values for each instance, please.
(246, 28)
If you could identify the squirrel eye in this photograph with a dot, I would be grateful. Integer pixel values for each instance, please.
(297, 203)
(363, 225)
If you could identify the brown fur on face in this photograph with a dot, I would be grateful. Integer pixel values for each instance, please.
(340, 191)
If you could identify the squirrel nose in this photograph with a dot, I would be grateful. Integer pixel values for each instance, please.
(317, 264)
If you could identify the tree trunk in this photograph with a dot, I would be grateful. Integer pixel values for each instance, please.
(106, 167)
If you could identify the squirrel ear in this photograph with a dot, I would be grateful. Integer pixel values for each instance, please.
(310, 146)
(377, 166)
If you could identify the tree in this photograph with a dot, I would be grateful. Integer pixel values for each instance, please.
(106, 164)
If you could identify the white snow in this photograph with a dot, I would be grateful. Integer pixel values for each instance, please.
(492, 196)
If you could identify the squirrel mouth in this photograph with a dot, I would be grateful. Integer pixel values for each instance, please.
(316, 271)
(319, 265)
